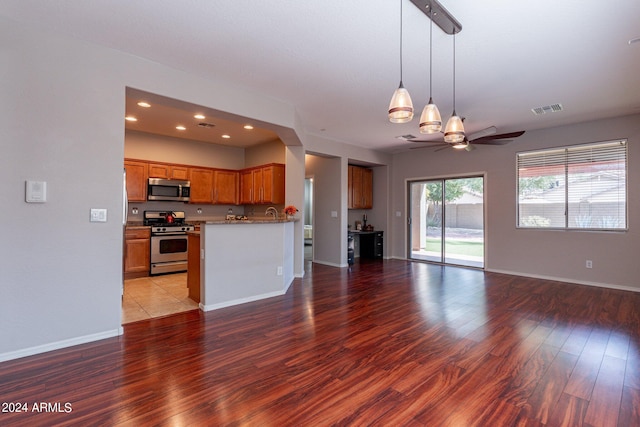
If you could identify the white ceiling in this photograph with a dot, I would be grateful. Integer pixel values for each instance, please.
(337, 61)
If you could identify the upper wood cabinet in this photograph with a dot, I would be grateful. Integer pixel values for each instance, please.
(262, 185)
(168, 171)
(225, 187)
(360, 191)
(137, 178)
(201, 185)
(258, 185)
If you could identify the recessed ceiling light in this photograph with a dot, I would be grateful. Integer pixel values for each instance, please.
(130, 119)
(199, 116)
(225, 136)
(248, 127)
(180, 127)
(144, 104)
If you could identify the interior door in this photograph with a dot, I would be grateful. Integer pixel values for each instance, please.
(446, 221)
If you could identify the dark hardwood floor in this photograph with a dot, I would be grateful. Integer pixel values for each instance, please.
(388, 343)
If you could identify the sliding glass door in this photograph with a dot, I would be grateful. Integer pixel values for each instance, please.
(446, 221)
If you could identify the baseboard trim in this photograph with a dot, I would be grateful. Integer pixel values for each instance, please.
(331, 264)
(57, 345)
(564, 279)
(240, 301)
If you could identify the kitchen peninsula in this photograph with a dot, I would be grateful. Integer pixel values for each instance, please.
(243, 261)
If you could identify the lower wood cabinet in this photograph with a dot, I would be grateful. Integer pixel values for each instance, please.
(193, 266)
(137, 252)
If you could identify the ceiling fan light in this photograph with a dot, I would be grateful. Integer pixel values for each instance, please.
(400, 107)
(454, 131)
(460, 145)
(430, 120)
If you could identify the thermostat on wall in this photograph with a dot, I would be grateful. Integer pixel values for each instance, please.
(36, 192)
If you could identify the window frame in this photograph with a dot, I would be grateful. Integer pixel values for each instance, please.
(566, 166)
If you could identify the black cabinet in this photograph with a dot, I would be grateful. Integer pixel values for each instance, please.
(371, 244)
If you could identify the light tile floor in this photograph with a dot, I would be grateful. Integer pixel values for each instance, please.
(155, 296)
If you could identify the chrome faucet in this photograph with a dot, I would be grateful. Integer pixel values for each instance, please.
(271, 211)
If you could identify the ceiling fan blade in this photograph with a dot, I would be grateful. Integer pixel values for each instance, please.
(494, 142)
(509, 135)
(482, 133)
(428, 146)
(424, 141)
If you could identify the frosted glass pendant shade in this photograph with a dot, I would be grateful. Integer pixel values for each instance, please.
(454, 132)
(430, 120)
(400, 107)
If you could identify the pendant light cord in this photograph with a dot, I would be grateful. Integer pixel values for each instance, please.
(430, 52)
(454, 71)
(401, 42)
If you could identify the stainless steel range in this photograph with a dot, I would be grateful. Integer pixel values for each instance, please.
(168, 241)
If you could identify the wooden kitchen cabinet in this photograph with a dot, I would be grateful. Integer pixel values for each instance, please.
(137, 179)
(137, 252)
(360, 191)
(193, 266)
(246, 187)
(168, 171)
(201, 185)
(225, 187)
(263, 185)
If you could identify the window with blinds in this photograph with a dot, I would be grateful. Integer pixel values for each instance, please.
(578, 187)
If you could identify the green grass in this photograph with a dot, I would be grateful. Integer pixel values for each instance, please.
(456, 247)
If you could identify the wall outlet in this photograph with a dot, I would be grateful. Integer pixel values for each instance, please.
(589, 264)
(279, 271)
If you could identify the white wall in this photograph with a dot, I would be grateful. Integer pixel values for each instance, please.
(146, 146)
(540, 253)
(269, 152)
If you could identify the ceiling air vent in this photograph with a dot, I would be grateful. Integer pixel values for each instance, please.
(206, 125)
(547, 109)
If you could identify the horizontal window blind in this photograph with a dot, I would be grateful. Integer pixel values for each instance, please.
(576, 187)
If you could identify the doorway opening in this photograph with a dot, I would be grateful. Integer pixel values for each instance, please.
(308, 219)
(446, 221)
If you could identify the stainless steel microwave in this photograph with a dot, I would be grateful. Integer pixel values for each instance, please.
(168, 189)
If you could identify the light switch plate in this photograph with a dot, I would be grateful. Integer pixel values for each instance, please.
(98, 215)
(36, 192)
(334, 214)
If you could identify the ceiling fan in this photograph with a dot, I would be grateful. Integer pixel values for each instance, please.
(486, 136)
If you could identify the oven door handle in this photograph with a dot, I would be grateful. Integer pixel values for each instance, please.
(178, 233)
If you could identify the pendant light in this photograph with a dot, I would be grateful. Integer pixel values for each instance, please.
(400, 107)
(430, 120)
(454, 131)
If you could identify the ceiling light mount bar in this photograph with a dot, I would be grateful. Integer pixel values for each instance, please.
(441, 16)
